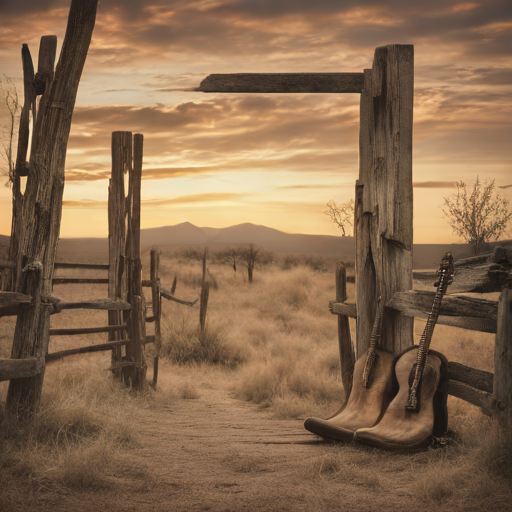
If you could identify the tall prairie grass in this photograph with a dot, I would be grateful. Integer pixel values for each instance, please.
(281, 339)
(272, 342)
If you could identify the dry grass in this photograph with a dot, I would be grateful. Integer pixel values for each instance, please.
(80, 437)
(283, 345)
(272, 342)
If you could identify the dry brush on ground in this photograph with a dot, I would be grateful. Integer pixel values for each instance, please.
(272, 343)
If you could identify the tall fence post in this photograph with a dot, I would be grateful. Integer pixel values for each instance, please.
(135, 351)
(42, 200)
(205, 292)
(157, 307)
(502, 387)
(121, 164)
(347, 357)
(383, 216)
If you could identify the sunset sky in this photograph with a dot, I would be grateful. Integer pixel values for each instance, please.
(221, 159)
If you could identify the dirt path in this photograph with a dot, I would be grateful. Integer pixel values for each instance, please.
(217, 453)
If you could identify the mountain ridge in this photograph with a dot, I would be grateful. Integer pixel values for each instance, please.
(271, 239)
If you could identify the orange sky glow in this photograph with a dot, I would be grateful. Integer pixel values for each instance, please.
(222, 159)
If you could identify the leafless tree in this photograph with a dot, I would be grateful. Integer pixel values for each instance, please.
(233, 254)
(478, 216)
(9, 114)
(342, 214)
(249, 255)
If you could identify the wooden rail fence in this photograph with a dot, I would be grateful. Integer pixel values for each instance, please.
(492, 392)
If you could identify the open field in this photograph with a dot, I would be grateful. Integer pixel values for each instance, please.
(224, 429)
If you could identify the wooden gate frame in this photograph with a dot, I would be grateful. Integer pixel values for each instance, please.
(383, 208)
(383, 227)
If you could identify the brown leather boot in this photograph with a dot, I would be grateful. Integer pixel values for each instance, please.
(365, 406)
(400, 429)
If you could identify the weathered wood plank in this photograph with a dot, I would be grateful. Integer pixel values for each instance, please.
(343, 308)
(102, 304)
(87, 330)
(85, 350)
(419, 307)
(166, 294)
(80, 280)
(135, 375)
(10, 301)
(474, 396)
(149, 339)
(384, 209)
(147, 283)
(156, 305)
(121, 151)
(478, 379)
(45, 64)
(12, 298)
(479, 278)
(42, 201)
(92, 266)
(419, 303)
(346, 348)
(503, 360)
(7, 264)
(20, 368)
(283, 83)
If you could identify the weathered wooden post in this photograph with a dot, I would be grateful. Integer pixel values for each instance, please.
(205, 292)
(157, 307)
(42, 202)
(121, 164)
(502, 387)
(383, 208)
(135, 373)
(347, 357)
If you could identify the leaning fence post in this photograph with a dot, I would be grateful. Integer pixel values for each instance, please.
(502, 388)
(205, 292)
(157, 307)
(347, 357)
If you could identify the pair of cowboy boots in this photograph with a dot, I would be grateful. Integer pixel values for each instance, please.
(377, 415)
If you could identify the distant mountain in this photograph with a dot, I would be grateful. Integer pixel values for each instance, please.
(186, 234)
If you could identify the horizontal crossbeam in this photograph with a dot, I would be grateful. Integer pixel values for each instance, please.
(283, 83)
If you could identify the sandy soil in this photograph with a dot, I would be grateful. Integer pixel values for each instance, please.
(218, 453)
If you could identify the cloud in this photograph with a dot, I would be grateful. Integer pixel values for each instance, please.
(212, 197)
(434, 184)
(303, 187)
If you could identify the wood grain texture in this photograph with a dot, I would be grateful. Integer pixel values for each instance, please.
(384, 209)
(346, 348)
(343, 308)
(11, 298)
(10, 301)
(283, 83)
(157, 309)
(419, 303)
(474, 396)
(478, 379)
(102, 304)
(42, 203)
(20, 368)
(87, 330)
(121, 151)
(485, 277)
(166, 294)
(503, 359)
(85, 350)
(77, 280)
(93, 266)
